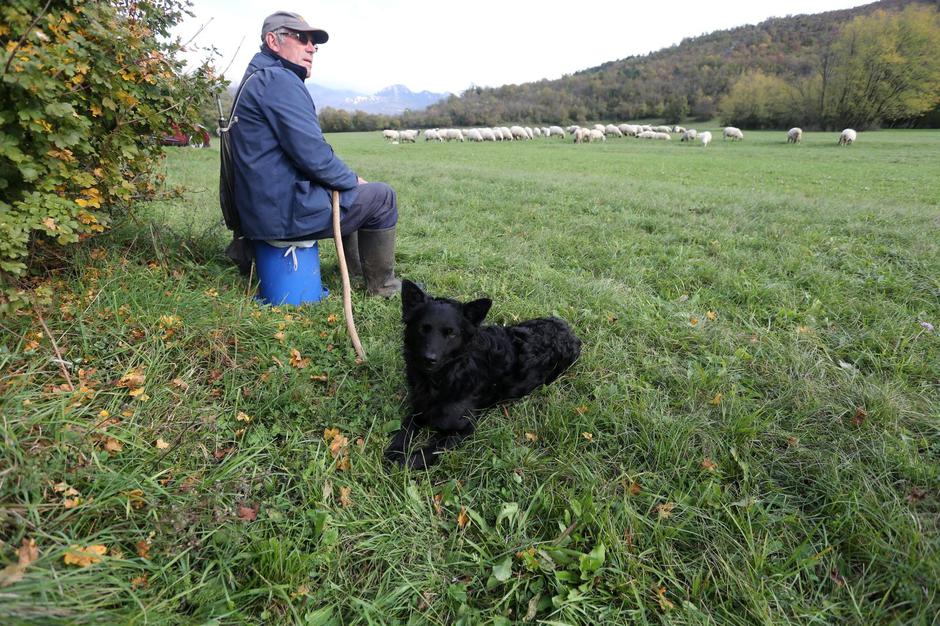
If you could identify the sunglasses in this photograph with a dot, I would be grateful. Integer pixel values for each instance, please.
(303, 38)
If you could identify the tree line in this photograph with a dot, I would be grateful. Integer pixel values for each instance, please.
(863, 67)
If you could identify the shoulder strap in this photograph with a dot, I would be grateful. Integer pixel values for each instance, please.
(232, 118)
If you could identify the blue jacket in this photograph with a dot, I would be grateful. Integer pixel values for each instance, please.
(284, 169)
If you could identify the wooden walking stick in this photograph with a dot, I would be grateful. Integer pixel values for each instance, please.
(344, 272)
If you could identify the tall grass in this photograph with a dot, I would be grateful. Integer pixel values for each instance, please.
(750, 436)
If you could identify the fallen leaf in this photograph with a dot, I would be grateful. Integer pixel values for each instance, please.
(26, 554)
(531, 437)
(279, 336)
(635, 489)
(716, 400)
(327, 490)
(132, 379)
(343, 464)
(344, 499)
(859, 418)
(330, 433)
(693, 321)
(83, 557)
(139, 581)
(331, 318)
(179, 383)
(136, 498)
(320, 378)
(221, 454)
(581, 410)
(296, 360)
(113, 445)
(665, 510)
(143, 549)
(837, 578)
(916, 495)
(243, 417)
(708, 464)
(71, 503)
(438, 498)
(339, 445)
(462, 518)
(712, 316)
(161, 444)
(247, 513)
(664, 602)
(792, 442)
(588, 436)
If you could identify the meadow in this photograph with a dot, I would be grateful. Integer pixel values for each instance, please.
(751, 434)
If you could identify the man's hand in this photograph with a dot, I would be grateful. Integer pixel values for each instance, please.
(361, 181)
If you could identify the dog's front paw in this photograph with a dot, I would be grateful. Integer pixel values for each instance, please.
(395, 455)
(424, 458)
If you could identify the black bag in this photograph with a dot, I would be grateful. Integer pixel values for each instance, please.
(240, 250)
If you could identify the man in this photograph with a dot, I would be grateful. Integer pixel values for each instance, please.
(285, 171)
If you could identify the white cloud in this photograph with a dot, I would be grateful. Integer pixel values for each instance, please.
(440, 46)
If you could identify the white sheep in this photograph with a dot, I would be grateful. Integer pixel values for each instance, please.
(847, 137)
(689, 135)
(732, 133)
(506, 133)
(391, 135)
(408, 135)
(431, 134)
(518, 132)
(581, 135)
(488, 134)
(629, 130)
(662, 129)
(705, 138)
(474, 135)
(678, 129)
(572, 128)
(612, 131)
(556, 131)
(528, 131)
(599, 127)
(452, 134)
(596, 135)
(795, 135)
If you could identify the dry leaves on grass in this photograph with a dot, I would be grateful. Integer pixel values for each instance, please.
(143, 549)
(716, 400)
(339, 447)
(635, 489)
(709, 465)
(664, 602)
(531, 437)
(344, 497)
(248, 513)
(25, 555)
(296, 360)
(462, 518)
(84, 556)
(664, 511)
(160, 444)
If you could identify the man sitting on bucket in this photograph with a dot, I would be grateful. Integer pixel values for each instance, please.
(285, 170)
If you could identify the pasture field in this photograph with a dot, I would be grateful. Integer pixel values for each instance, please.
(751, 435)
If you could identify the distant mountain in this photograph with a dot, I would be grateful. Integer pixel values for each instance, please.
(389, 101)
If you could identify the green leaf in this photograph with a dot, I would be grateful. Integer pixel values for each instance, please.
(592, 561)
(503, 571)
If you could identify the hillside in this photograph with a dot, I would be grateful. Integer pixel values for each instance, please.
(684, 80)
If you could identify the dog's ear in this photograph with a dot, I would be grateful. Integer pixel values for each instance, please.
(411, 297)
(476, 311)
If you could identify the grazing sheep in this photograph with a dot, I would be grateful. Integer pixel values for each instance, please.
(452, 134)
(599, 127)
(538, 131)
(391, 135)
(847, 137)
(488, 134)
(628, 130)
(795, 135)
(408, 135)
(506, 133)
(518, 132)
(596, 135)
(528, 131)
(612, 131)
(678, 129)
(652, 134)
(556, 131)
(733, 133)
(474, 135)
(705, 138)
(581, 135)
(689, 135)
(431, 134)
(661, 129)
(572, 128)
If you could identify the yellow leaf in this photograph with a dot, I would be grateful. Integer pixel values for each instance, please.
(462, 518)
(296, 360)
(531, 437)
(664, 603)
(588, 436)
(161, 444)
(330, 433)
(279, 336)
(581, 410)
(26, 554)
(83, 557)
(708, 464)
(71, 503)
(693, 321)
(716, 400)
(133, 378)
(113, 445)
(143, 549)
(344, 498)
(50, 223)
(179, 383)
(665, 510)
(712, 316)
(635, 489)
(243, 417)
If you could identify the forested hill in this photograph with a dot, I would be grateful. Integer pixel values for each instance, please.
(687, 79)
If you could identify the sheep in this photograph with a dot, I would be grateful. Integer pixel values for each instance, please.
(488, 134)
(732, 133)
(451, 134)
(689, 135)
(847, 137)
(652, 134)
(474, 135)
(628, 130)
(705, 138)
(572, 128)
(678, 129)
(506, 133)
(529, 132)
(611, 130)
(662, 129)
(408, 135)
(795, 135)
(391, 135)
(596, 135)
(431, 134)
(581, 135)
(518, 132)
(558, 131)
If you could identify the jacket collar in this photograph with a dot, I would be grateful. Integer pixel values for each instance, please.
(300, 70)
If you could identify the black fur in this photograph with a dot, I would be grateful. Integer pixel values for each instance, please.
(456, 365)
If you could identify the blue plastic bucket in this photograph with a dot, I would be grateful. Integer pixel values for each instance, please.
(289, 275)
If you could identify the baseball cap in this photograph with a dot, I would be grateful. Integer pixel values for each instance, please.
(293, 21)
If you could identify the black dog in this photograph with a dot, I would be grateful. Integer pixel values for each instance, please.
(456, 366)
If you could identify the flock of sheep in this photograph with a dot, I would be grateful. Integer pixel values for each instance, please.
(599, 132)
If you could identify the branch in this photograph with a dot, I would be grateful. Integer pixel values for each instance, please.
(25, 35)
(55, 348)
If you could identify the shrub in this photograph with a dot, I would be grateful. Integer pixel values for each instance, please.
(86, 90)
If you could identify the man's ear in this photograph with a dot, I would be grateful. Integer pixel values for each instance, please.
(476, 311)
(411, 297)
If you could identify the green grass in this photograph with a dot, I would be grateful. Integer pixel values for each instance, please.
(806, 494)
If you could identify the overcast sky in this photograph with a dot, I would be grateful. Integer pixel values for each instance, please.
(441, 46)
